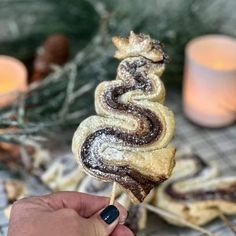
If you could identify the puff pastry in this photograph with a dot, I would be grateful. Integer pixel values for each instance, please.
(62, 174)
(95, 187)
(127, 141)
(14, 189)
(196, 192)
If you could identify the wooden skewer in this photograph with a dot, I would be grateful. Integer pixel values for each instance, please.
(226, 222)
(172, 216)
(113, 194)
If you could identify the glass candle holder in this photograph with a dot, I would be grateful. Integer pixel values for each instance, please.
(13, 79)
(209, 87)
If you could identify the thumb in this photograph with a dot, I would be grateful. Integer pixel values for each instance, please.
(105, 221)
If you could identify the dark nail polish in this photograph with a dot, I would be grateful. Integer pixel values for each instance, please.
(110, 214)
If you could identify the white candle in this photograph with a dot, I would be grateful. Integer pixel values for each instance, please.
(13, 79)
(209, 89)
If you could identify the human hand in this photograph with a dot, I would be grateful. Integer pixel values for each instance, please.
(67, 214)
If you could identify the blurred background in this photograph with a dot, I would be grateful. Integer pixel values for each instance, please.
(54, 53)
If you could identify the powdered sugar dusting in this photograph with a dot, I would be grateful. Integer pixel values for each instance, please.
(107, 142)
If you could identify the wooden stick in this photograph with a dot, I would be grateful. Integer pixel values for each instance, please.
(170, 215)
(226, 222)
(113, 194)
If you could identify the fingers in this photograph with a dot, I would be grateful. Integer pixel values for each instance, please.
(86, 205)
(107, 220)
(72, 214)
(100, 222)
(122, 230)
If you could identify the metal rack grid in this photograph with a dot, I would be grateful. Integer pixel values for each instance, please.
(218, 145)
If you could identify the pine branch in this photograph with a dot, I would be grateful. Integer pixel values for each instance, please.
(66, 97)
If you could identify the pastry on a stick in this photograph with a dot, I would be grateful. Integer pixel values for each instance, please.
(195, 191)
(127, 141)
(96, 187)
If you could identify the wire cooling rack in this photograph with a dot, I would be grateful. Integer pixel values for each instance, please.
(217, 145)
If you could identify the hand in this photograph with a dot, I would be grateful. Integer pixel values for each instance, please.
(67, 214)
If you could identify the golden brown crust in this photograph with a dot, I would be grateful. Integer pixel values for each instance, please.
(138, 45)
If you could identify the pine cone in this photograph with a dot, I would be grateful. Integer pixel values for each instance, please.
(55, 50)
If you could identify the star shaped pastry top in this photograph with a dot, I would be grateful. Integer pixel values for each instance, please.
(139, 45)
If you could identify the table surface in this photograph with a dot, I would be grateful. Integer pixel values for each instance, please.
(218, 145)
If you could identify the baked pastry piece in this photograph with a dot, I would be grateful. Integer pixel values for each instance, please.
(196, 192)
(93, 186)
(14, 189)
(96, 187)
(62, 174)
(7, 211)
(127, 141)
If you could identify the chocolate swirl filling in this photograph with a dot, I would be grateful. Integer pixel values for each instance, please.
(127, 177)
(227, 194)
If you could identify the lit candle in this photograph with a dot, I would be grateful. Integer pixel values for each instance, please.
(209, 89)
(13, 79)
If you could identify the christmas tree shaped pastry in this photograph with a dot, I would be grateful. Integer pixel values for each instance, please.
(127, 141)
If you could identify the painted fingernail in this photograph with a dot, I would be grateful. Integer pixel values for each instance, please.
(110, 214)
